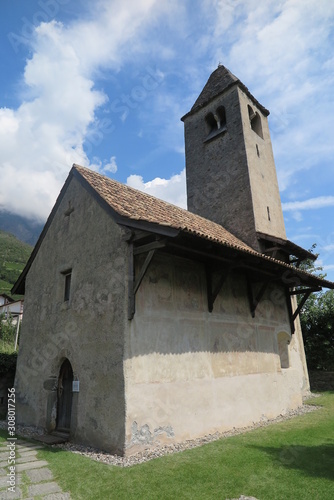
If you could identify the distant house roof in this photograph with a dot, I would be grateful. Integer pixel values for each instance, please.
(135, 209)
(219, 81)
(7, 298)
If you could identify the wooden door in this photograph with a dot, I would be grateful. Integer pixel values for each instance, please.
(64, 401)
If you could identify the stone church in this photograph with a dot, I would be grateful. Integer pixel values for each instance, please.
(148, 324)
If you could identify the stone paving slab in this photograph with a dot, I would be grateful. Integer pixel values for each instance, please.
(40, 478)
(39, 475)
(8, 495)
(44, 489)
(31, 465)
(23, 449)
(58, 496)
(23, 460)
(25, 443)
(4, 484)
(28, 453)
(20, 444)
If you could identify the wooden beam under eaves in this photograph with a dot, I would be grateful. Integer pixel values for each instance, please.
(143, 270)
(134, 283)
(260, 294)
(301, 304)
(212, 293)
(149, 246)
(254, 301)
(300, 291)
(250, 295)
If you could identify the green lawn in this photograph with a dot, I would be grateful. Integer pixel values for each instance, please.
(290, 460)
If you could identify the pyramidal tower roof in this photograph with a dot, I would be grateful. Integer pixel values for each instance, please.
(219, 81)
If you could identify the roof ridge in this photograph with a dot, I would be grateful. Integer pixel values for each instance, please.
(78, 167)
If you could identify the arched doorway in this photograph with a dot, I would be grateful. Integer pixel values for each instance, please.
(64, 397)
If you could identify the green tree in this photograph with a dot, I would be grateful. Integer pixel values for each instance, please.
(7, 330)
(317, 322)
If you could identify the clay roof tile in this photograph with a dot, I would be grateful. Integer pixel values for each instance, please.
(136, 205)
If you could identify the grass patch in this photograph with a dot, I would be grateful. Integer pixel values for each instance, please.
(293, 459)
(6, 347)
(5, 287)
(14, 266)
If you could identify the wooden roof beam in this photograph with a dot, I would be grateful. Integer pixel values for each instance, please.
(213, 293)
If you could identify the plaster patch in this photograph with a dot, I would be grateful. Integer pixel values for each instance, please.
(143, 435)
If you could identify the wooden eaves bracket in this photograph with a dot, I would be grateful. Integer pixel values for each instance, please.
(299, 291)
(135, 281)
(212, 294)
(254, 301)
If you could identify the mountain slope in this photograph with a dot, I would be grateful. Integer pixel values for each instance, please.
(13, 257)
(24, 229)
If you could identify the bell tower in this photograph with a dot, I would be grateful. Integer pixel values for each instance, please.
(230, 169)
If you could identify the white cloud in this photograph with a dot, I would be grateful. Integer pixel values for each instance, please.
(41, 139)
(311, 204)
(172, 190)
(297, 216)
(328, 248)
(278, 48)
(111, 166)
(282, 51)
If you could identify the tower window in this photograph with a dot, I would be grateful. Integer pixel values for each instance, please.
(211, 122)
(67, 287)
(255, 121)
(268, 212)
(216, 123)
(220, 117)
(257, 151)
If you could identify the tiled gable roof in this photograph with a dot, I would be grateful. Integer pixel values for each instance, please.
(129, 204)
(136, 205)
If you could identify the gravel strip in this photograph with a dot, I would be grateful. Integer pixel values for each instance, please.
(151, 453)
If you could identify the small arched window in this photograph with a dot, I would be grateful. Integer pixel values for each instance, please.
(283, 341)
(215, 123)
(220, 117)
(211, 122)
(255, 121)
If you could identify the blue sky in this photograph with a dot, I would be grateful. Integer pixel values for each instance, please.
(105, 83)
